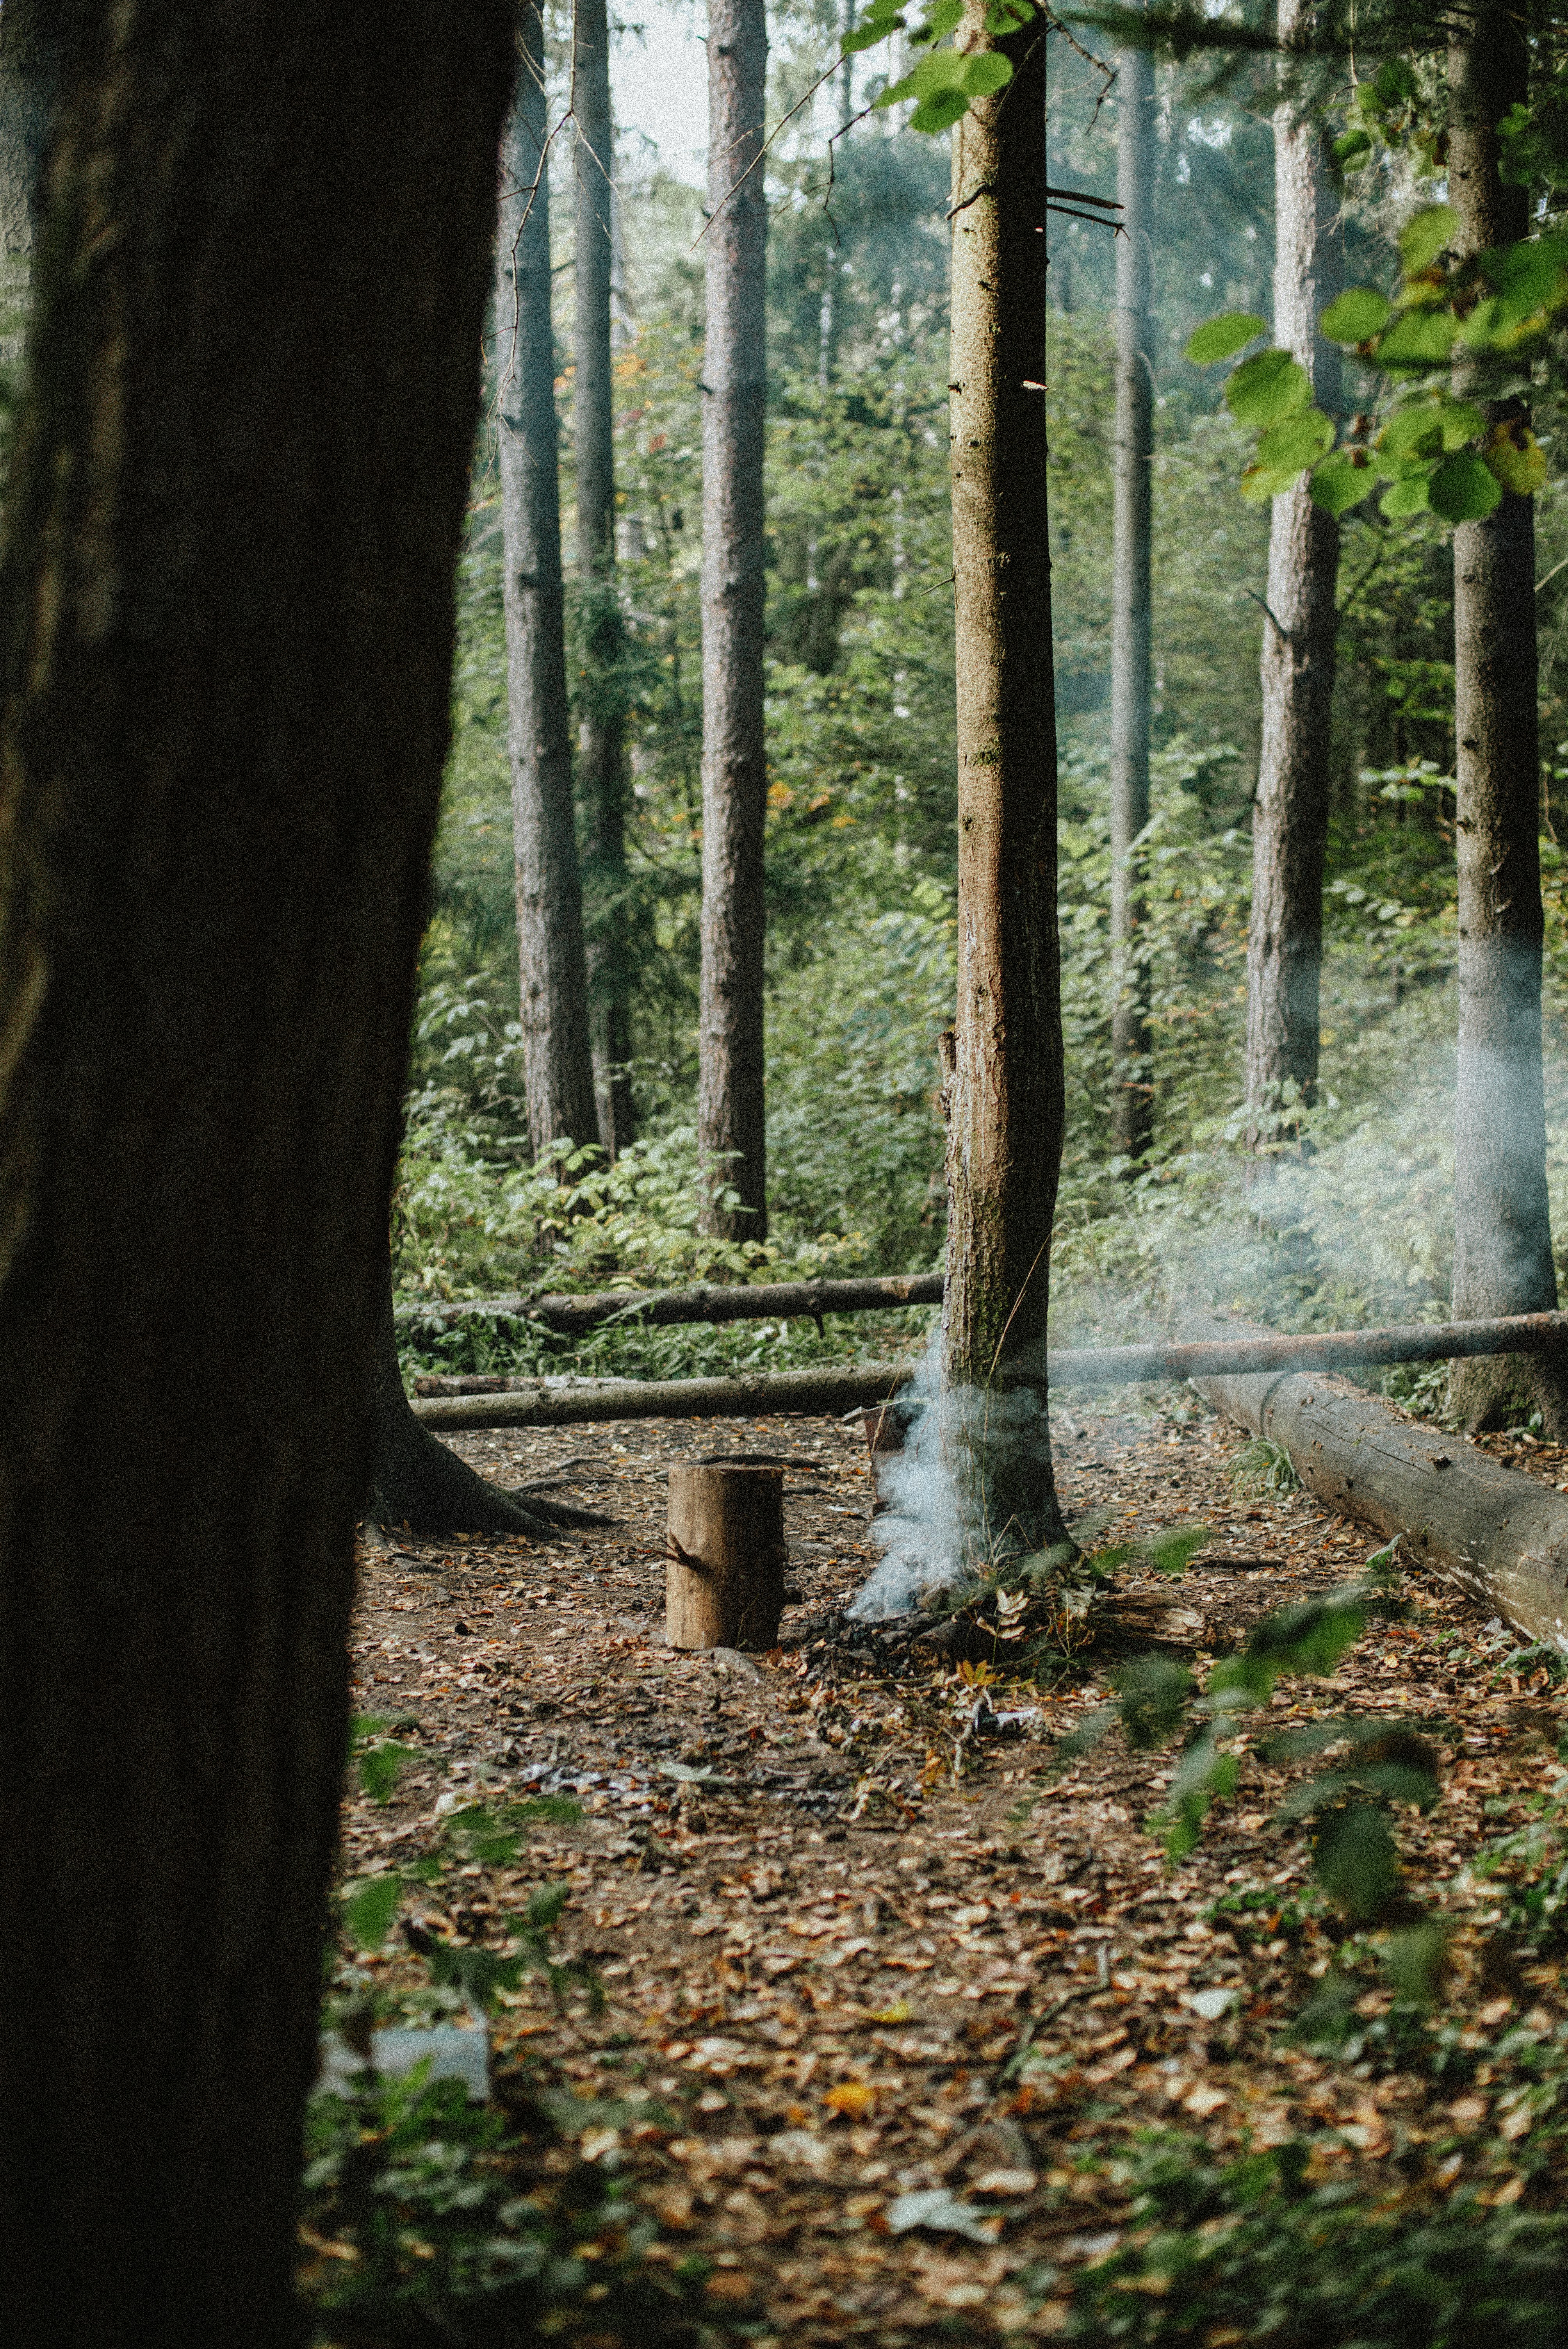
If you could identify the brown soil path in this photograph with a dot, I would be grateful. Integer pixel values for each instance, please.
(846, 1959)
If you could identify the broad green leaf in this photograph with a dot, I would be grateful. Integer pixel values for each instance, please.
(1396, 81)
(1345, 477)
(985, 73)
(1259, 483)
(1355, 315)
(1410, 496)
(369, 1909)
(866, 36)
(379, 1767)
(939, 113)
(1418, 339)
(1263, 390)
(1526, 275)
(1423, 237)
(1418, 1959)
(941, 21)
(1351, 147)
(1517, 458)
(1221, 338)
(1151, 1699)
(1464, 488)
(1428, 427)
(1300, 441)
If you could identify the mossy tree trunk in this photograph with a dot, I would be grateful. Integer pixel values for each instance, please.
(237, 494)
(558, 1069)
(1502, 1231)
(1004, 1092)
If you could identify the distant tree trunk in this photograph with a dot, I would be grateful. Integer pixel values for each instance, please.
(731, 1132)
(1133, 1097)
(553, 991)
(602, 769)
(1290, 816)
(29, 65)
(237, 493)
(1003, 1091)
(1502, 1233)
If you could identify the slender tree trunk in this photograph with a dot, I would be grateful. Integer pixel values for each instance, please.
(1290, 817)
(553, 985)
(601, 754)
(237, 493)
(30, 65)
(731, 1132)
(1502, 1233)
(1132, 1095)
(1004, 1092)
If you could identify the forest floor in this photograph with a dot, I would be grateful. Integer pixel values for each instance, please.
(851, 1957)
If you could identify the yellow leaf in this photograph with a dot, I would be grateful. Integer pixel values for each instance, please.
(851, 2096)
(1516, 456)
(900, 2011)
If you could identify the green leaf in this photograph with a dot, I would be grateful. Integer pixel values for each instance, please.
(1356, 316)
(1418, 1959)
(985, 73)
(939, 113)
(369, 1909)
(943, 19)
(1151, 1698)
(1464, 488)
(1259, 484)
(1396, 82)
(379, 1767)
(1005, 16)
(1410, 496)
(866, 36)
(1221, 338)
(1354, 1858)
(1300, 441)
(1263, 390)
(1526, 275)
(1419, 338)
(1423, 237)
(1170, 1552)
(1345, 477)
(1426, 427)
(1350, 147)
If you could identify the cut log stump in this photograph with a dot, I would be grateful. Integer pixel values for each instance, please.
(725, 1583)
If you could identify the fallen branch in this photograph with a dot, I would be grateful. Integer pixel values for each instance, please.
(570, 1402)
(711, 1302)
(1500, 1535)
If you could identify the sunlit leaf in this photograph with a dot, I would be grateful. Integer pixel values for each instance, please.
(1464, 488)
(1263, 390)
(939, 113)
(1299, 441)
(1357, 314)
(866, 36)
(1351, 147)
(1423, 237)
(1221, 338)
(1516, 456)
(1429, 427)
(1419, 338)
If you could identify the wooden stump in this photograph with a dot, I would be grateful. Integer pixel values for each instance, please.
(725, 1583)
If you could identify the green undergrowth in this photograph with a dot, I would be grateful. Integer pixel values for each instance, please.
(1251, 2252)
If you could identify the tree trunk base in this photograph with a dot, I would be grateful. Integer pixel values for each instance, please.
(1497, 1390)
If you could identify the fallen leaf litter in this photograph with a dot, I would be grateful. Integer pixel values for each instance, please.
(891, 1994)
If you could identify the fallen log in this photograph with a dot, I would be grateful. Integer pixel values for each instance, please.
(713, 1302)
(571, 1402)
(1499, 1534)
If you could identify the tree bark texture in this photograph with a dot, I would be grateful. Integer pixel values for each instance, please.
(29, 66)
(1500, 1535)
(731, 1130)
(236, 499)
(1502, 1233)
(601, 749)
(1003, 1086)
(724, 1586)
(558, 1067)
(1290, 814)
(1132, 1096)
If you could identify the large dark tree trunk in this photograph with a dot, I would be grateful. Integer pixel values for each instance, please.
(1502, 1233)
(1132, 1096)
(602, 769)
(237, 489)
(30, 65)
(1290, 817)
(731, 1134)
(553, 985)
(1004, 1093)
